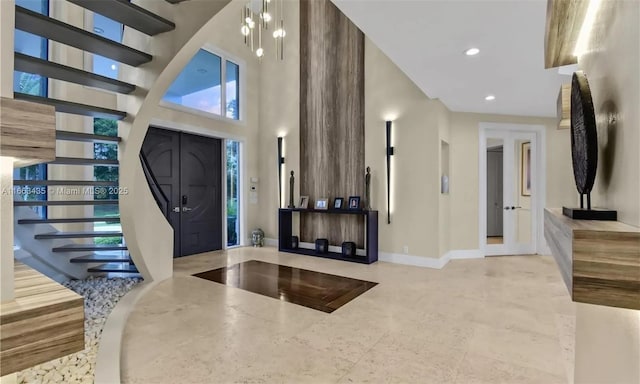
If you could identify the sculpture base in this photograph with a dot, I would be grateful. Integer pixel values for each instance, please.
(590, 214)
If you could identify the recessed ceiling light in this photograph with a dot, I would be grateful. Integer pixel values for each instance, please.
(113, 67)
(98, 30)
(490, 98)
(472, 51)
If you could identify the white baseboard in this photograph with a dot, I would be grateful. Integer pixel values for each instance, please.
(270, 242)
(399, 258)
(430, 262)
(418, 261)
(460, 254)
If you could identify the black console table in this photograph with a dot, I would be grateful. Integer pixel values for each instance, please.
(285, 223)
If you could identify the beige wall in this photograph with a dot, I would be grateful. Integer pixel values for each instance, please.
(415, 166)
(608, 339)
(279, 116)
(612, 68)
(464, 181)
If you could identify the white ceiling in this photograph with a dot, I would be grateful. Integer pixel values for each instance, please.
(427, 40)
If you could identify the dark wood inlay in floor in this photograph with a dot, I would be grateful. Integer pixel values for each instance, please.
(316, 290)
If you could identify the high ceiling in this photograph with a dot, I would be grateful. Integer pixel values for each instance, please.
(427, 39)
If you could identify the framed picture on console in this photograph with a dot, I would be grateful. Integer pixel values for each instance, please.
(304, 202)
(322, 203)
(338, 202)
(354, 202)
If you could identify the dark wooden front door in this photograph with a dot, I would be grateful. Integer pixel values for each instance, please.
(188, 168)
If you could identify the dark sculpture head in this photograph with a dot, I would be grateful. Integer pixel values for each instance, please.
(584, 136)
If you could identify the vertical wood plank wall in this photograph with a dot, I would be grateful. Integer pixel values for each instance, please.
(331, 119)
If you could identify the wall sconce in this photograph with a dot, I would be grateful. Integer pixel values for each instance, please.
(389, 154)
(280, 163)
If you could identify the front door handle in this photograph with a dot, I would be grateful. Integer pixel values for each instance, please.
(176, 209)
(186, 209)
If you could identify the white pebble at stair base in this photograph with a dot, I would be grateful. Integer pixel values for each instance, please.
(100, 297)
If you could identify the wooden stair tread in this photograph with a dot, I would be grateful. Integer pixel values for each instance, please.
(103, 257)
(50, 203)
(64, 33)
(89, 248)
(78, 234)
(86, 137)
(83, 161)
(66, 182)
(70, 220)
(30, 64)
(114, 268)
(64, 106)
(128, 14)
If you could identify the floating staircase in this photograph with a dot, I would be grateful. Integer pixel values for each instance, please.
(38, 234)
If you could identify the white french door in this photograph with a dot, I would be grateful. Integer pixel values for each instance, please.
(510, 189)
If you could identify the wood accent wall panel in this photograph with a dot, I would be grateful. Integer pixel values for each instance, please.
(599, 260)
(564, 20)
(27, 131)
(564, 106)
(45, 321)
(331, 119)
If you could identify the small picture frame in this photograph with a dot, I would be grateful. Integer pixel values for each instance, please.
(338, 202)
(304, 202)
(354, 202)
(322, 203)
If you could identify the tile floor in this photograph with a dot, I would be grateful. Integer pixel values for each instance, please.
(493, 320)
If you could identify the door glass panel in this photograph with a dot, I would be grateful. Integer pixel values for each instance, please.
(233, 193)
(495, 203)
(522, 189)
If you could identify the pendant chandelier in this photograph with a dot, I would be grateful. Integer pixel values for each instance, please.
(253, 25)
